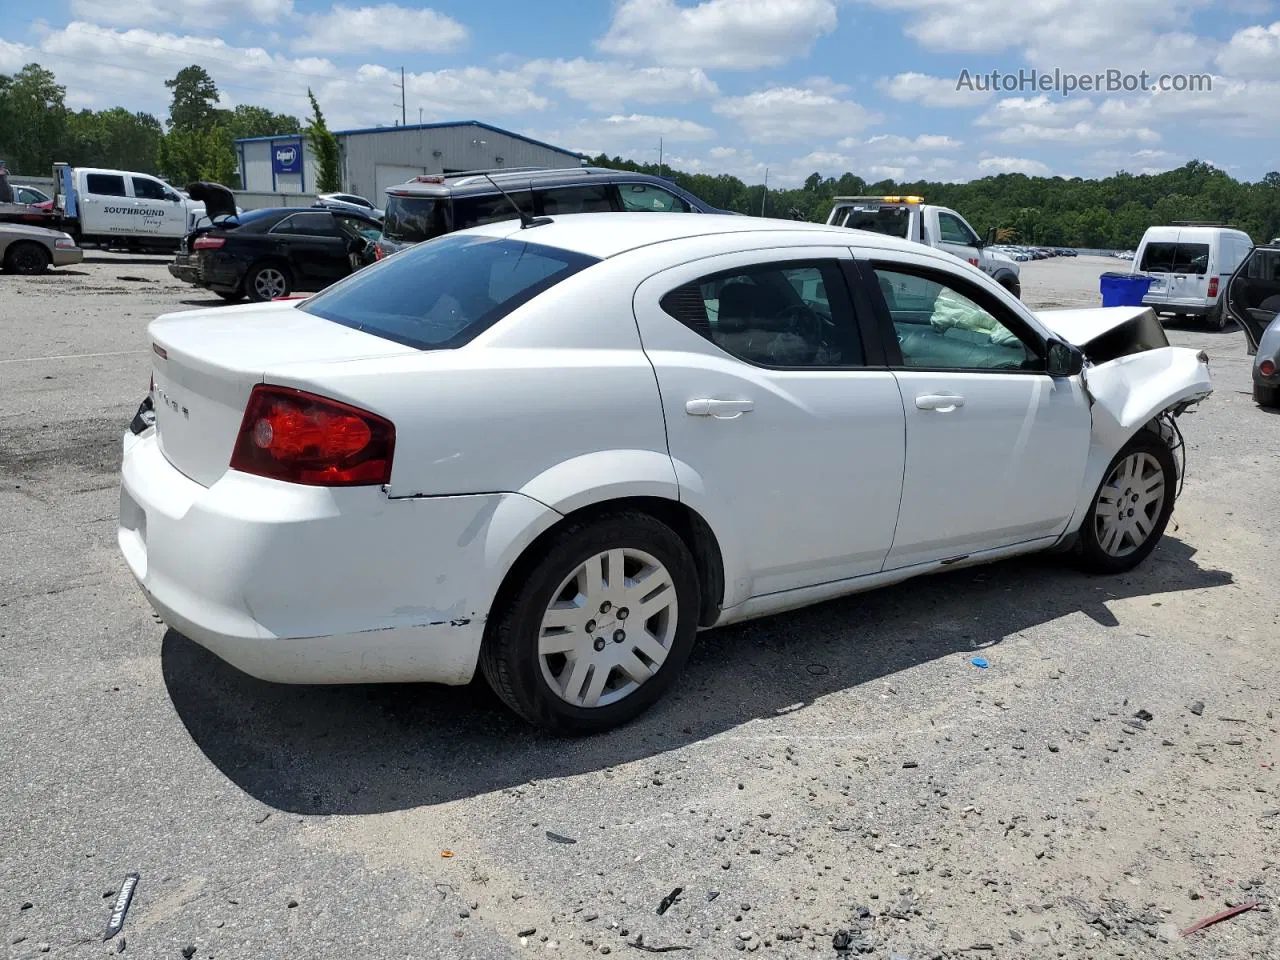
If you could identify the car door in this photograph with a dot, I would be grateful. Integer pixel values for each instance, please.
(956, 237)
(105, 206)
(314, 247)
(781, 432)
(1253, 293)
(996, 448)
(159, 207)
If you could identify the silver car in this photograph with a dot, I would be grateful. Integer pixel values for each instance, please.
(1253, 301)
(29, 249)
(348, 201)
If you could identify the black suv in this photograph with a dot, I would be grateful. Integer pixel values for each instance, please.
(429, 206)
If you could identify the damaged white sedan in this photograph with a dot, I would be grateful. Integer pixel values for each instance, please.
(555, 450)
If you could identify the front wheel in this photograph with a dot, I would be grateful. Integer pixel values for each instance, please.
(1012, 285)
(267, 281)
(231, 296)
(1131, 508)
(598, 629)
(27, 258)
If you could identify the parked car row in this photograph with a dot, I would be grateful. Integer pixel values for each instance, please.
(1023, 254)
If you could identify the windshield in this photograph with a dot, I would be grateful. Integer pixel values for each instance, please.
(1175, 258)
(889, 221)
(444, 293)
(414, 219)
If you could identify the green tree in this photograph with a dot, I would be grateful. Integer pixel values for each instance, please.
(113, 138)
(325, 147)
(186, 155)
(33, 118)
(250, 121)
(195, 99)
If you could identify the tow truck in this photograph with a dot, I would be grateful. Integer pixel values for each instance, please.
(910, 218)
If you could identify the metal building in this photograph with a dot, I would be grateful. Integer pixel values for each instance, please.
(376, 158)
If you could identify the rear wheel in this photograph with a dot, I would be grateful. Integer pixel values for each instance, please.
(1217, 317)
(1131, 508)
(1265, 396)
(27, 258)
(598, 629)
(266, 281)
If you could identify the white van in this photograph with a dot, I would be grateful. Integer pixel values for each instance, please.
(123, 207)
(1190, 267)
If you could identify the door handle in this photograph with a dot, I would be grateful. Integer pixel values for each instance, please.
(943, 403)
(720, 409)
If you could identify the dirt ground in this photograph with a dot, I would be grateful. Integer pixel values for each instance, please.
(841, 774)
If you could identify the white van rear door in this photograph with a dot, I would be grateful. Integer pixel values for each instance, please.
(1189, 282)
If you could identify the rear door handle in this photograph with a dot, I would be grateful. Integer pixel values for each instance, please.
(720, 409)
(943, 403)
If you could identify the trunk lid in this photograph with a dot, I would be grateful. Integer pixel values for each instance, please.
(218, 200)
(206, 362)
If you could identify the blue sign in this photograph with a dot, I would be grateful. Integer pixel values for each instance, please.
(286, 157)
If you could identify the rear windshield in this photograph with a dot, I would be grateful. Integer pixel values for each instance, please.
(1175, 258)
(414, 219)
(444, 293)
(890, 221)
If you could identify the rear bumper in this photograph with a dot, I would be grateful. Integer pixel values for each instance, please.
(299, 584)
(1195, 308)
(185, 270)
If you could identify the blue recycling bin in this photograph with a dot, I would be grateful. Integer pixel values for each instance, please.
(1123, 289)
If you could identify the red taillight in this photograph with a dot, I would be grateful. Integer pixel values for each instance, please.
(208, 243)
(377, 252)
(1267, 368)
(299, 437)
(1213, 286)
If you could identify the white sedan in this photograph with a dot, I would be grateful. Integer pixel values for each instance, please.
(558, 450)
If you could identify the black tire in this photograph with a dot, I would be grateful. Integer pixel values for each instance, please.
(509, 658)
(1265, 396)
(253, 281)
(231, 296)
(1217, 316)
(1090, 555)
(27, 257)
(1012, 285)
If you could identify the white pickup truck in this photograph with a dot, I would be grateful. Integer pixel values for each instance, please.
(912, 219)
(121, 207)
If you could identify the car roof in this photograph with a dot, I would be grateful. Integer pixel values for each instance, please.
(604, 235)
(468, 184)
(1188, 232)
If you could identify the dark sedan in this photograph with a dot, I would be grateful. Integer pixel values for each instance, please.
(267, 254)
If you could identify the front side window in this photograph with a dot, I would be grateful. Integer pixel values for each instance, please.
(647, 197)
(444, 293)
(490, 208)
(589, 199)
(775, 315)
(940, 328)
(952, 230)
(355, 227)
(145, 189)
(104, 184)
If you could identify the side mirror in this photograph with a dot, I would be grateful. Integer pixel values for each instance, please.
(991, 236)
(1063, 360)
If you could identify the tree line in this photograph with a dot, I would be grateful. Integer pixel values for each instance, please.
(195, 143)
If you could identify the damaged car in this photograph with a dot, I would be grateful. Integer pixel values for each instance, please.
(553, 450)
(1253, 301)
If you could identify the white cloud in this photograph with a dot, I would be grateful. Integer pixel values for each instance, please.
(885, 142)
(779, 114)
(608, 85)
(1026, 120)
(930, 91)
(1244, 108)
(13, 56)
(188, 13)
(1079, 134)
(1252, 52)
(634, 136)
(990, 166)
(724, 34)
(387, 26)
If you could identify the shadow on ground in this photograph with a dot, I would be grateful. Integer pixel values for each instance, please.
(374, 748)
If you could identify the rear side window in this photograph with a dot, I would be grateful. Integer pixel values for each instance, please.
(444, 293)
(591, 199)
(1165, 257)
(307, 225)
(104, 184)
(414, 219)
(473, 211)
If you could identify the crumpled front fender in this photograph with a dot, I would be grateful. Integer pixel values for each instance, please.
(1130, 392)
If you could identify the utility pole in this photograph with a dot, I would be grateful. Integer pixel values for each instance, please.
(402, 97)
(659, 156)
(764, 196)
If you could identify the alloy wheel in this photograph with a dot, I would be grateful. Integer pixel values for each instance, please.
(609, 628)
(270, 283)
(1129, 504)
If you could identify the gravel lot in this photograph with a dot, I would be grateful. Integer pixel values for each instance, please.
(844, 768)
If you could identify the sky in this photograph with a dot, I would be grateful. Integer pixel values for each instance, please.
(729, 86)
